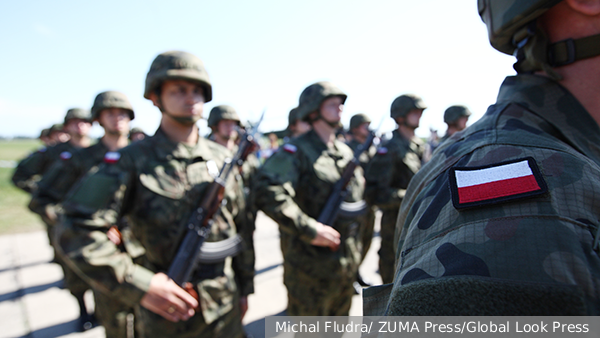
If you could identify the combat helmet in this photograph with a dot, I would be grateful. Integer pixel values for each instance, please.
(111, 99)
(313, 96)
(177, 65)
(77, 113)
(293, 116)
(403, 104)
(512, 29)
(453, 113)
(222, 112)
(358, 119)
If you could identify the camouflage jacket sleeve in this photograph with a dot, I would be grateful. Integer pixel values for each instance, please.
(28, 171)
(380, 190)
(243, 263)
(82, 233)
(276, 184)
(54, 185)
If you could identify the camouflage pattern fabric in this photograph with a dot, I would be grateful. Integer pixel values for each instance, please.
(156, 184)
(30, 170)
(291, 187)
(52, 190)
(364, 159)
(388, 175)
(525, 255)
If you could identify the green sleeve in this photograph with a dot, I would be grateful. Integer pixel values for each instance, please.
(91, 208)
(379, 176)
(276, 183)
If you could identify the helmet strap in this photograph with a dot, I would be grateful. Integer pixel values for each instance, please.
(534, 51)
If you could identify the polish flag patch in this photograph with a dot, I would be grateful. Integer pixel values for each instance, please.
(112, 157)
(382, 151)
(290, 148)
(65, 155)
(496, 183)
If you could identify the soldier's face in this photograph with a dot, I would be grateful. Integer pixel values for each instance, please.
(413, 118)
(182, 98)
(331, 109)
(227, 129)
(115, 121)
(78, 127)
(461, 123)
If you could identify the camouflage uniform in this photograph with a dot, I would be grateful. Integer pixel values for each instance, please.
(156, 184)
(52, 190)
(534, 251)
(388, 175)
(30, 170)
(291, 187)
(364, 159)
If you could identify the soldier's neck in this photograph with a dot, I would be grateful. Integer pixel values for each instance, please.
(79, 141)
(114, 142)
(227, 143)
(178, 132)
(325, 132)
(407, 132)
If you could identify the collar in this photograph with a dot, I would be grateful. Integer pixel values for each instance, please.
(167, 149)
(553, 103)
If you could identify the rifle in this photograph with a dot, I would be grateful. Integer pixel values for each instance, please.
(192, 249)
(335, 204)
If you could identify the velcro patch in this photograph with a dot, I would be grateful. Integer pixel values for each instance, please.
(496, 183)
(290, 148)
(382, 151)
(65, 155)
(112, 157)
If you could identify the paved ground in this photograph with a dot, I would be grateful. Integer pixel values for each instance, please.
(33, 304)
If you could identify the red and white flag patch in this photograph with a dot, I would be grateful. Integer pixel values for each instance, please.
(496, 183)
(112, 157)
(65, 155)
(290, 148)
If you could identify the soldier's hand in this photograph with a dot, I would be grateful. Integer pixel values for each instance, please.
(167, 299)
(114, 235)
(243, 306)
(327, 236)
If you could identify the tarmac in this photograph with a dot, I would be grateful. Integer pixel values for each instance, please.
(33, 303)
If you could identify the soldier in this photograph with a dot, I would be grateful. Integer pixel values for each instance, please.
(456, 117)
(225, 125)
(359, 132)
(57, 134)
(45, 137)
(136, 134)
(113, 112)
(320, 260)
(389, 172)
(156, 184)
(30, 170)
(296, 127)
(504, 220)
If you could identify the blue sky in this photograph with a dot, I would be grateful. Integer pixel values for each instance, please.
(259, 54)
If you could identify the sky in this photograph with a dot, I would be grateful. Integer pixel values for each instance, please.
(259, 54)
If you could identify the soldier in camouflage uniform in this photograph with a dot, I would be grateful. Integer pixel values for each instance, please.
(359, 131)
(156, 184)
(296, 127)
(45, 137)
(456, 117)
(30, 170)
(389, 172)
(136, 134)
(57, 134)
(320, 260)
(505, 218)
(113, 112)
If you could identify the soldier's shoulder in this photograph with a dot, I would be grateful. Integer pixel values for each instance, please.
(216, 151)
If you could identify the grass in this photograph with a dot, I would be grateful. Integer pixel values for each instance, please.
(15, 217)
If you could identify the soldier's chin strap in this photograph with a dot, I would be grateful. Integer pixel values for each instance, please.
(534, 52)
(568, 51)
(334, 125)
